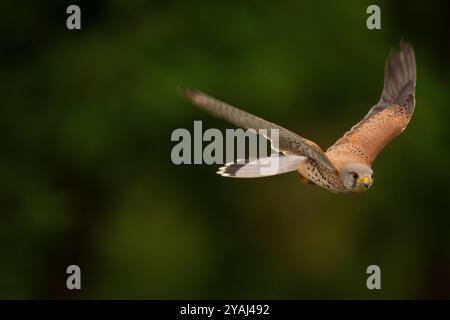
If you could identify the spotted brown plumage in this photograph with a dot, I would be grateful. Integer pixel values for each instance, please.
(345, 166)
(389, 117)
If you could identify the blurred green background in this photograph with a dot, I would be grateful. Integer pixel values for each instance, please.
(85, 170)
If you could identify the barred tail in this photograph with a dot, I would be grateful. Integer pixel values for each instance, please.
(263, 167)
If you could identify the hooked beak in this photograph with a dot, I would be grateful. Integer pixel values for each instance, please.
(365, 181)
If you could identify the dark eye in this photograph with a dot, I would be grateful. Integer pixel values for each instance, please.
(355, 175)
(371, 175)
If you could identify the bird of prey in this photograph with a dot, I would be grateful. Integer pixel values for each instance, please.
(346, 166)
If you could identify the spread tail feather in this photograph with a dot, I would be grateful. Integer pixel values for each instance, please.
(262, 167)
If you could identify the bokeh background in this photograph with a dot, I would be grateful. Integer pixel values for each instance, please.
(85, 170)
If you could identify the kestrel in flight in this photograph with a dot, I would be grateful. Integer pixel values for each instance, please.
(346, 166)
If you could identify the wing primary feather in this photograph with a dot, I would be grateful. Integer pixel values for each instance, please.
(399, 80)
(289, 142)
(390, 116)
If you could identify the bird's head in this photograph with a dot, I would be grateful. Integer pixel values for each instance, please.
(356, 177)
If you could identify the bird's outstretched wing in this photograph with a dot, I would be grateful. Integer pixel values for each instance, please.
(289, 142)
(390, 116)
